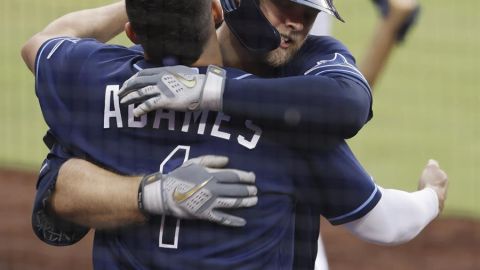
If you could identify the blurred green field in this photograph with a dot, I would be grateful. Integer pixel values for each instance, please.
(426, 104)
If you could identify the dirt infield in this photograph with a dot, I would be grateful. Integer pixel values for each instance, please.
(447, 244)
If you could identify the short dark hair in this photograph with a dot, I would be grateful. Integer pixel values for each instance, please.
(171, 28)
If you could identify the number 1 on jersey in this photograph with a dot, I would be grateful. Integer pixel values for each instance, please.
(170, 226)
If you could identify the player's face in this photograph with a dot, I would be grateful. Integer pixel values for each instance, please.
(293, 21)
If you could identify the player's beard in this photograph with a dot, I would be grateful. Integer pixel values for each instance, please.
(281, 56)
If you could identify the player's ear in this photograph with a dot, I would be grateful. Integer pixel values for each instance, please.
(130, 33)
(217, 12)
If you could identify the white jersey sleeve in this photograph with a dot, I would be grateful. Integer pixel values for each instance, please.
(398, 217)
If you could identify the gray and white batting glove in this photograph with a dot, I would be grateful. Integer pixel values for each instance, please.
(177, 88)
(197, 190)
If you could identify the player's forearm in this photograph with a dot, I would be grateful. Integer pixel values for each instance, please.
(378, 53)
(398, 217)
(387, 34)
(380, 49)
(316, 105)
(90, 196)
(101, 23)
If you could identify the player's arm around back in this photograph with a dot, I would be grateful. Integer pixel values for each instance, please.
(400, 216)
(93, 197)
(101, 23)
(340, 107)
(317, 105)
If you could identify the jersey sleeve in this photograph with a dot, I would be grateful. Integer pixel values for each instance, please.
(59, 67)
(56, 73)
(326, 56)
(46, 226)
(63, 55)
(343, 190)
(320, 93)
(312, 105)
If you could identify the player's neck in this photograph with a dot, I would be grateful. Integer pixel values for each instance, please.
(211, 53)
(236, 55)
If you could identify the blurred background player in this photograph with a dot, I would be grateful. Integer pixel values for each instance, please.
(398, 16)
(396, 20)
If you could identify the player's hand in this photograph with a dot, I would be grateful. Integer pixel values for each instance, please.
(402, 14)
(436, 179)
(177, 88)
(199, 189)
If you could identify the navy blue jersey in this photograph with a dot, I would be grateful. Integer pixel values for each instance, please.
(77, 82)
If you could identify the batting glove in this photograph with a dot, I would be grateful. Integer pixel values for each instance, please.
(198, 191)
(177, 88)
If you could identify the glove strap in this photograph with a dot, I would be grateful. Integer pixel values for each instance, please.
(143, 182)
(213, 87)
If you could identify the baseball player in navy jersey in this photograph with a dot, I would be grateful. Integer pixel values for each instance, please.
(248, 58)
(142, 80)
(283, 168)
